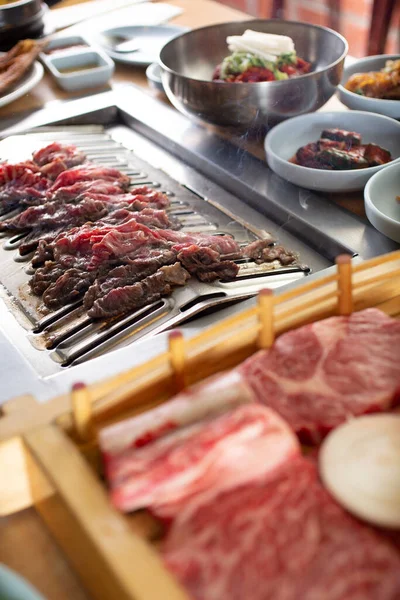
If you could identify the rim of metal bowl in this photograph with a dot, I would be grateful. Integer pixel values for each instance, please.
(248, 23)
(368, 59)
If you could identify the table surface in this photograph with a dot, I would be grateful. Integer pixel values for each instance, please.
(25, 544)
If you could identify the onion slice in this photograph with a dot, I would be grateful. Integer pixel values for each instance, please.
(359, 464)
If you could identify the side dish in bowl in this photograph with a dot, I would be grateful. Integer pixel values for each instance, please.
(384, 84)
(340, 150)
(373, 84)
(295, 151)
(382, 201)
(257, 57)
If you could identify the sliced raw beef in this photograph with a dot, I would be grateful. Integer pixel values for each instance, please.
(89, 173)
(279, 539)
(321, 374)
(52, 215)
(204, 458)
(148, 290)
(56, 158)
(223, 244)
(218, 394)
(206, 264)
(81, 189)
(19, 182)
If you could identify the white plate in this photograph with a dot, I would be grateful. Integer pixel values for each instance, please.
(381, 207)
(151, 40)
(25, 84)
(283, 141)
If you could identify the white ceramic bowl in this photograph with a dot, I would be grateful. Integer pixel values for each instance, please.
(283, 141)
(390, 108)
(381, 206)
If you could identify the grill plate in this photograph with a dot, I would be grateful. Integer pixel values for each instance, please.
(68, 336)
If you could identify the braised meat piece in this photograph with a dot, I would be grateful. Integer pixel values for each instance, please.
(340, 160)
(340, 135)
(262, 251)
(131, 297)
(206, 264)
(375, 155)
(308, 156)
(340, 150)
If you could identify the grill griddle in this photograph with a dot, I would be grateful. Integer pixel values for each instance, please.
(215, 187)
(68, 336)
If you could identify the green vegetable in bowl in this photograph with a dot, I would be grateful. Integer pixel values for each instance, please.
(239, 62)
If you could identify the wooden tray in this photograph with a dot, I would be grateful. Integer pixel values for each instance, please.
(54, 466)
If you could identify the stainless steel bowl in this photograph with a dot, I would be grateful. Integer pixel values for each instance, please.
(188, 62)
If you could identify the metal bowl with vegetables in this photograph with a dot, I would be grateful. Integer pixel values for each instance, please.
(206, 80)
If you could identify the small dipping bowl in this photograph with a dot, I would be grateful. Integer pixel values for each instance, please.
(80, 69)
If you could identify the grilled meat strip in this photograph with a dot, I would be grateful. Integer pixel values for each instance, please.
(131, 297)
(206, 264)
(261, 251)
(127, 275)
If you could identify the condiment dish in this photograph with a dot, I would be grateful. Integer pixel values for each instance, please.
(283, 141)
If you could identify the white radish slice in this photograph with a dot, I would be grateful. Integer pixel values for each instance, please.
(281, 42)
(360, 466)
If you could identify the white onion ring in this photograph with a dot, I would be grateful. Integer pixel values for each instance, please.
(360, 466)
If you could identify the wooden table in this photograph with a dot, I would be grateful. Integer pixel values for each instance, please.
(24, 543)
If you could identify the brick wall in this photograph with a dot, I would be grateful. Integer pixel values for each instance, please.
(354, 18)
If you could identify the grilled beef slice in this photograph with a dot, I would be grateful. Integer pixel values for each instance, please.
(132, 297)
(261, 251)
(206, 264)
(127, 275)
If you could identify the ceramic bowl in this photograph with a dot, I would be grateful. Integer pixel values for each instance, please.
(70, 72)
(14, 587)
(285, 139)
(153, 74)
(390, 108)
(382, 209)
